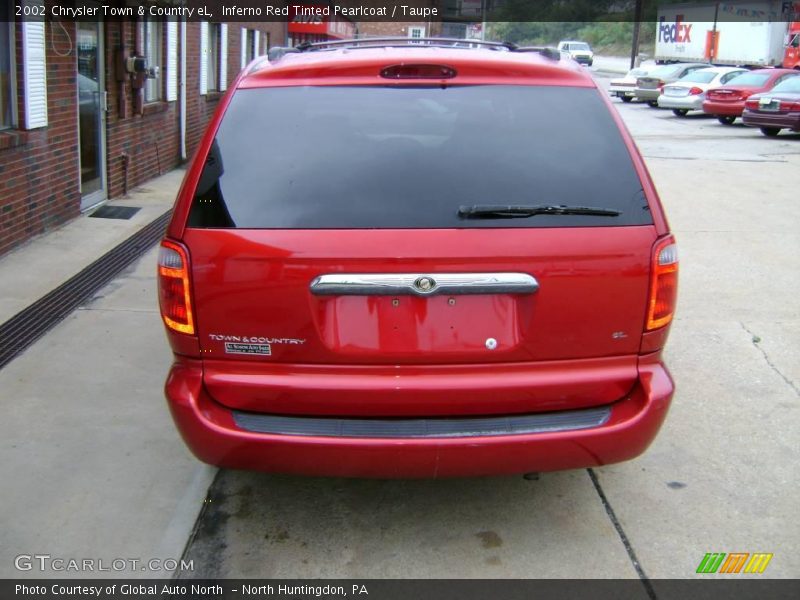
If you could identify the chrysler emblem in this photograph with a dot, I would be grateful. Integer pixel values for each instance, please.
(424, 284)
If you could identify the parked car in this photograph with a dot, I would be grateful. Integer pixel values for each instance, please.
(428, 280)
(580, 52)
(624, 88)
(690, 90)
(727, 102)
(649, 87)
(776, 109)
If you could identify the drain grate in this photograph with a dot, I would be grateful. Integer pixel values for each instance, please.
(31, 323)
(115, 212)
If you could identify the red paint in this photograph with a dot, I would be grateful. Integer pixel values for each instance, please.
(791, 58)
(209, 431)
(577, 342)
(729, 100)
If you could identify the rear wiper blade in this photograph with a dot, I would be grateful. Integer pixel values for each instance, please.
(491, 211)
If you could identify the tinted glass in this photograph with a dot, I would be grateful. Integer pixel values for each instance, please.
(788, 85)
(699, 76)
(376, 157)
(665, 71)
(750, 79)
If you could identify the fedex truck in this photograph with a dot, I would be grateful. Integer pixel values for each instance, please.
(757, 34)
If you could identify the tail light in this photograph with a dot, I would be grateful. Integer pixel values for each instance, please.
(752, 103)
(695, 91)
(663, 284)
(661, 85)
(174, 291)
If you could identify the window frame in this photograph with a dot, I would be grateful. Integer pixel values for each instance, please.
(729, 76)
(12, 78)
(214, 59)
(250, 45)
(154, 88)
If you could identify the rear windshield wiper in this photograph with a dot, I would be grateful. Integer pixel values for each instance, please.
(491, 211)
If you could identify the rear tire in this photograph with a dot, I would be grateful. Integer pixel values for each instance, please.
(726, 120)
(626, 99)
(652, 103)
(680, 112)
(770, 131)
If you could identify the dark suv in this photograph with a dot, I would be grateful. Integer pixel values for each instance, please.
(426, 259)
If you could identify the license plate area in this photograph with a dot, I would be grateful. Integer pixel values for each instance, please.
(769, 105)
(412, 326)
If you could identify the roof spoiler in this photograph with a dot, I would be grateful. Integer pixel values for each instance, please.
(383, 42)
(279, 52)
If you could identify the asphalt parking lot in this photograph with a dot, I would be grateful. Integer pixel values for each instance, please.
(94, 466)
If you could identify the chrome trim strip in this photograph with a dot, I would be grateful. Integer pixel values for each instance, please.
(423, 284)
(424, 428)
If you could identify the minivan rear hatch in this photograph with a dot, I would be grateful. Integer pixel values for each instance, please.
(351, 242)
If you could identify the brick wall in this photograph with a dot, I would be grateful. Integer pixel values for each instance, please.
(39, 169)
(39, 185)
(149, 142)
(396, 28)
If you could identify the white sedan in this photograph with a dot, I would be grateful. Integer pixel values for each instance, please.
(624, 88)
(689, 91)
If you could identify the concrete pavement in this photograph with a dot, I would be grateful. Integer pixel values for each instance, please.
(45, 262)
(92, 465)
(721, 476)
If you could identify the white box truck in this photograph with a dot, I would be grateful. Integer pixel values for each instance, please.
(732, 33)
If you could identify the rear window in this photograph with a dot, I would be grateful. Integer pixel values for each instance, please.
(788, 85)
(699, 76)
(408, 157)
(750, 79)
(665, 71)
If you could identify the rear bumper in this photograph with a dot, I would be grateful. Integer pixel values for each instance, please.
(782, 121)
(723, 109)
(622, 91)
(681, 102)
(212, 433)
(647, 95)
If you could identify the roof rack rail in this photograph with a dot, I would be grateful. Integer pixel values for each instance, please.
(278, 52)
(385, 42)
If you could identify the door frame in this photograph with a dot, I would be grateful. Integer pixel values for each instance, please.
(95, 198)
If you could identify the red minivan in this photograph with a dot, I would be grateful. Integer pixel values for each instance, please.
(417, 259)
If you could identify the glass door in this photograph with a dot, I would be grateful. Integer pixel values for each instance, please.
(91, 113)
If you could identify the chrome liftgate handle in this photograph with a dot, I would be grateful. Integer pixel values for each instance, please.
(423, 284)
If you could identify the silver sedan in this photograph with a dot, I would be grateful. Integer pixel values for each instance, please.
(689, 91)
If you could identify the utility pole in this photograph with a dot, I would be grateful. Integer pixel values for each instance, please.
(712, 51)
(637, 23)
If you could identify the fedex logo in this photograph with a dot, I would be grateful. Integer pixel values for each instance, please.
(677, 32)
